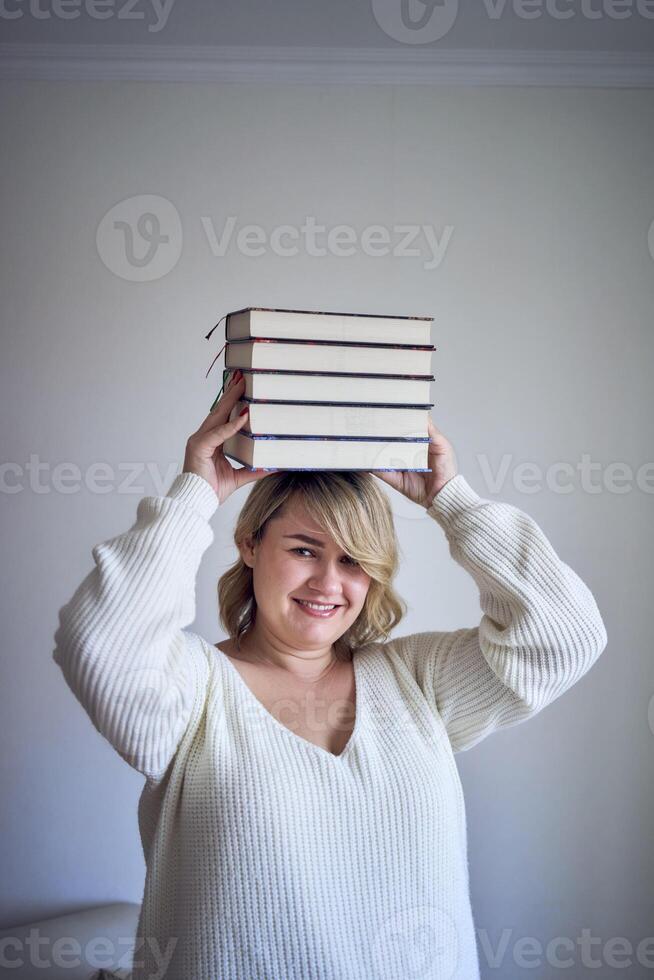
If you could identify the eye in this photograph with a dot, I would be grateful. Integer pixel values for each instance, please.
(347, 557)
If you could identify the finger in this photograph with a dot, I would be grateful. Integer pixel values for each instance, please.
(224, 406)
(234, 381)
(234, 377)
(212, 437)
(436, 437)
(390, 477)
(243, 475)
(232, 405)
(222, 391)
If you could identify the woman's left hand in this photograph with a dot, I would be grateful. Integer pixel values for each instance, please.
(421, 488)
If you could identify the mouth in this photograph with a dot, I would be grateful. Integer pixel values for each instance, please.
(316, 609)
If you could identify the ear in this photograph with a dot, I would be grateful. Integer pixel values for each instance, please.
(247, 552)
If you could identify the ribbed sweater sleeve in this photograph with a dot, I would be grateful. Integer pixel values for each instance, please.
(540, 631)
(121, 643)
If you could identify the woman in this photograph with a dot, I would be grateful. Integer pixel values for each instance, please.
(302, 815)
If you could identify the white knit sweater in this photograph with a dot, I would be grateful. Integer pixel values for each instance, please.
(269, 858)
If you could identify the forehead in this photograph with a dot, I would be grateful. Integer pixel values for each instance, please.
(296, 517)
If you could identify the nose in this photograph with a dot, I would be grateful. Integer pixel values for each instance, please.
(326, 579)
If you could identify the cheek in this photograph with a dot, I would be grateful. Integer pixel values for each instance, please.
(282, 577)
(358, 591)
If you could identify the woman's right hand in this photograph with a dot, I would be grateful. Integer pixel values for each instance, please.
(204, 449)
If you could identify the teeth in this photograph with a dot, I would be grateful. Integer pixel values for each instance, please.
(313, 605)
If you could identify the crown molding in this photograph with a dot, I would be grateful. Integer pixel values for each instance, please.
(343, 66)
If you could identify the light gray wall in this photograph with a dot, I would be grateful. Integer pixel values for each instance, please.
(543, 300)
(550, 25)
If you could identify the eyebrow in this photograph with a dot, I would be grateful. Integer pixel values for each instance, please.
(305, 537)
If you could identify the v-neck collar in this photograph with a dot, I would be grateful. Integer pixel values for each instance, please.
(246, 692)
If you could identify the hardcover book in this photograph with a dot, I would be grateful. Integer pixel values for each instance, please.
(323, 356)
(344, 453)
(257, 321)
(332, 420)
(316, 387)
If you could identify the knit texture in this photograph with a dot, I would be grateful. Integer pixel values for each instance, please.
(269, 858)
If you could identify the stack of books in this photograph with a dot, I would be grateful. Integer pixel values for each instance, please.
(330, 391)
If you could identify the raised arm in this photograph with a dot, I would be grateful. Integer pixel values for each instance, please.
(540, 631)
(121, 643)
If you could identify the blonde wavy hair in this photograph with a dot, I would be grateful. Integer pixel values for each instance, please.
(349, 505)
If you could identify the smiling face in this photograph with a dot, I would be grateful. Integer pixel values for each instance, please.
(298, 560)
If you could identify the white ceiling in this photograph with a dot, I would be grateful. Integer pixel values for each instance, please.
(432, 38)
